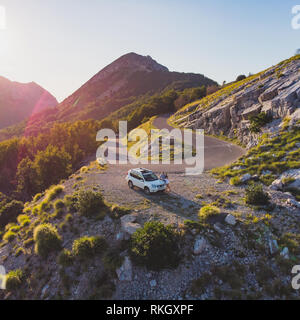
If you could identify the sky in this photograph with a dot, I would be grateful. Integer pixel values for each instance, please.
(60, 44)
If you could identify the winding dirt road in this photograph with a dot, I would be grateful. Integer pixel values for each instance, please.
(217, 152)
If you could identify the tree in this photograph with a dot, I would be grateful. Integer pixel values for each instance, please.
(52, 165)
(241, 77)
(10, 211)
(27, 179)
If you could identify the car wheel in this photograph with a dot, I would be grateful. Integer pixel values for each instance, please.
(130, 185)
(147, 191)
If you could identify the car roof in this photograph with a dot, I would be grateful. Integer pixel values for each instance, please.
(142, 170)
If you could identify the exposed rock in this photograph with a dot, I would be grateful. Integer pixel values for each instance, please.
(120, 236)
(276, 96)
(252, 111)
(130, 228)
(285, 253)
(246, 177)
(125, 271)
(153, 283)
(230, 219)
(218, 228)
(294, 174)
(293, 203)
(199, 246)
(128, 225)
(273, 246)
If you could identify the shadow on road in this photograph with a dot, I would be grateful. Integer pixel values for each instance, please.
(172, 202)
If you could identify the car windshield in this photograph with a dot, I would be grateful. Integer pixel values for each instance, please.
(150, 177)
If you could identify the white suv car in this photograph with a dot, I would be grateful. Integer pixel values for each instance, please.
(146, 180)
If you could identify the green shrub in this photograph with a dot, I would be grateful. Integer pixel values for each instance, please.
(14, 280)
(10, 211)
(256, 196)
(28, 243)
(112, 259)
(90, 203)
(55, 192)
(46, 239)
(119, 211)
(23, 219)
(259, 121)
(156, 246)
(207, 212)
(71, 202)
(235, 181)
(19, 251)
(87, 247)
(65, 258)
(199, 285)
(59, 204)
(9, 236)
(37, 197)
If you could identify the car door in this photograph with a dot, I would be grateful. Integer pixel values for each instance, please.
(140, 180)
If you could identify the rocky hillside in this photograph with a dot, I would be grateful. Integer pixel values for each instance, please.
(18, 101)
(84, 239)
(242, 109)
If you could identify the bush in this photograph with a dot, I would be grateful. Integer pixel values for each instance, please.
(14, 280)
(89, 203)
(112, 259)
(241, 77)
(156, 246)
(10, 211)
(65, 258)
(256, 196)
(87, 247)
(59, 204)
(9, 236)
(46, 239)
(71, 202)
(37, 197)
(23, 220)
(235, 181)
(259, 121)
(207, 212)
(55, 192)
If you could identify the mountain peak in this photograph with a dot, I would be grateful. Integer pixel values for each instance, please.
(131, 62)
(136, 60)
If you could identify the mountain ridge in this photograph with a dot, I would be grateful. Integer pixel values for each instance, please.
(19, 100)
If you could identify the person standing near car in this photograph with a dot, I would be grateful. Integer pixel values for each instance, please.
(165, 178)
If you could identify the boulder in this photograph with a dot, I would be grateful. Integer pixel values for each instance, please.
(230, 219)
(295, 117)
(273, 246)
(285, 253)
(130, 228)
(129, 225)
(199, 246)
(252, 111)
(246, 177)
(278, 184)
(218, 228)
(270, 93)
(153, 283)
(124, 273)
(293, 203)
